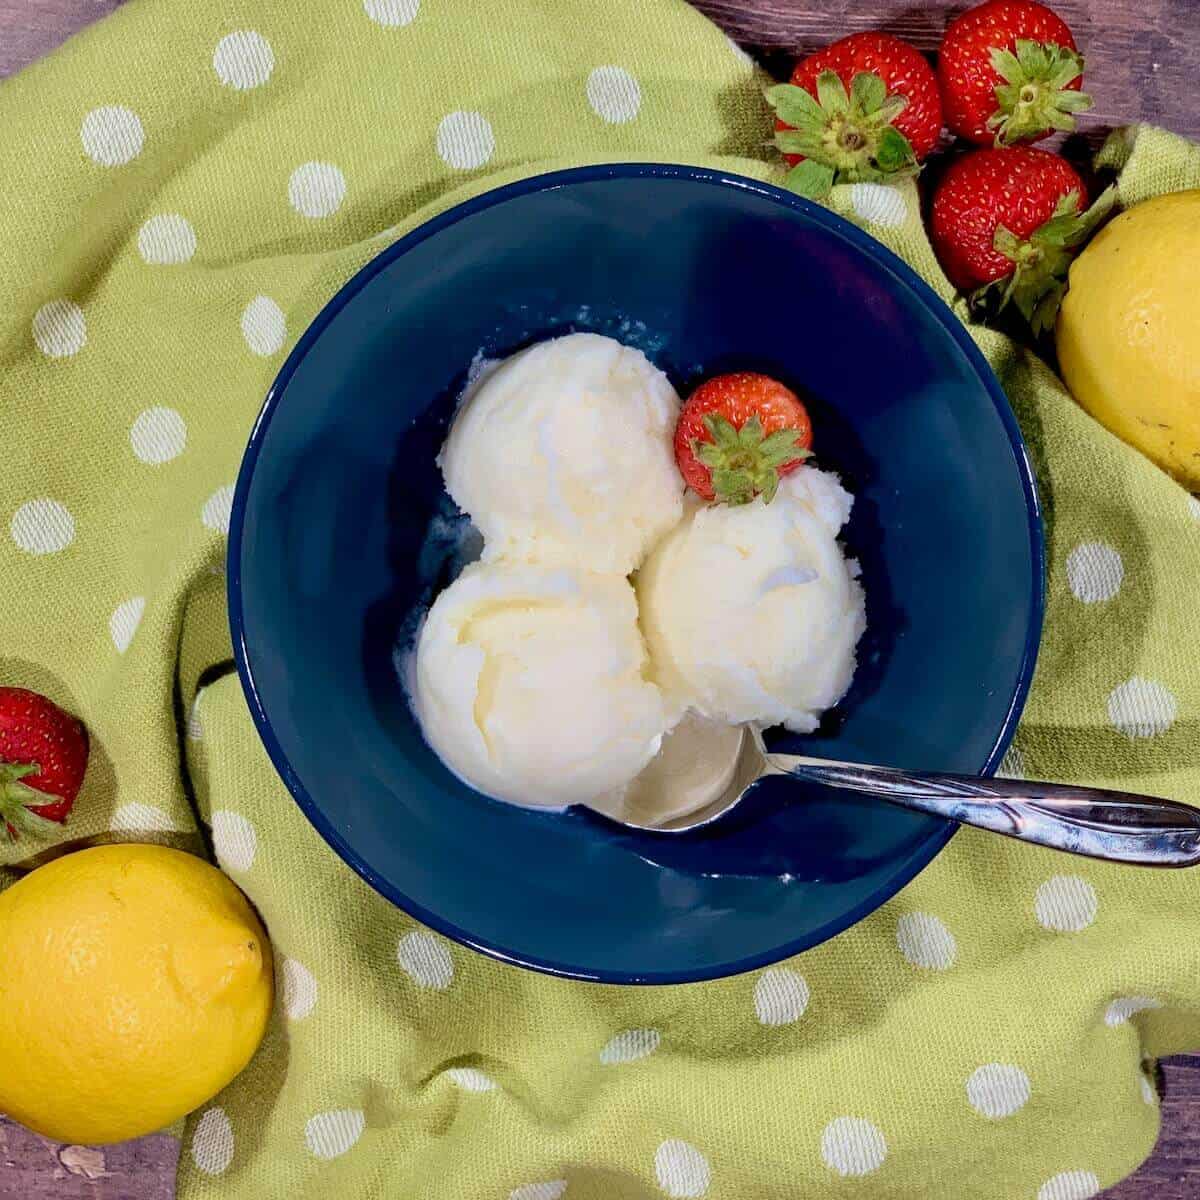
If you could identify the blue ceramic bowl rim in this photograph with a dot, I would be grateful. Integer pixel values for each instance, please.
(545, 182)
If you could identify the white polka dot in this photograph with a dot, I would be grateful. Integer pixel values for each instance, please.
(1121, 1009)
(780, 996)
(112, 135)
(264, 326)
(1149, 1095)
(124, 622)
(1141, 708)
(630, 1045)
(136, 817)
(465, 140)
(879, 204)
(1012, 765)
(426, 959)
(329, 1134)
(1065, 904)
(234, 840)
(853, 1146)
(299, 989)
(743, 59)
(614, 95)
(1194, 507)
(59, 329)
(317, 189)
(195, 725)
(998, 1090)
(1070, 1185)
(681, 1169)
(42, 527)
(157, 436)
(925, 941)
(243, 59)
(471, 1080)
(392, 12)
(217, 509)
(166, 240)
(212, 1142)
(552, 1189)
(1095, 571)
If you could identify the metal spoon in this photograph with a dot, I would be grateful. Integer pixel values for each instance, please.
(1117, 826)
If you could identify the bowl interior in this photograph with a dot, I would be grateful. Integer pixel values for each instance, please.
(330, 553)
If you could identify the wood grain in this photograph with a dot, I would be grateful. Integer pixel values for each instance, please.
(1143, 59)
(1143, 56)
(31, 28)
(35, 1168)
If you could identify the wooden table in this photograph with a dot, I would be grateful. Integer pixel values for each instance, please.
(1143, 61)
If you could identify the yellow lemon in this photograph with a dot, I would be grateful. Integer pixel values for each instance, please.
(135, 984)
(1129, 331)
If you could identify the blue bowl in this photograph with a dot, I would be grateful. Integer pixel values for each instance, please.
(706, 272)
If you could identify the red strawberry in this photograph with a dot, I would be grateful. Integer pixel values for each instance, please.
(738, 434)
(1013, 215)
(866, 108)
(1009, 72)
(43, 756)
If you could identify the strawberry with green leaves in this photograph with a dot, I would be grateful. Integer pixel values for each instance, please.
(865, 109)
(43, 757)
(738, 435)
(1010, 72)
(1006, 223)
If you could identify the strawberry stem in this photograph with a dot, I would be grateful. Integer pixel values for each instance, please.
(17, 799)
(1035, 96)
(842, 137)
(1038, 281)
(744, 462)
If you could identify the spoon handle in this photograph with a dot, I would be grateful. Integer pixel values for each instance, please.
(1118, 826)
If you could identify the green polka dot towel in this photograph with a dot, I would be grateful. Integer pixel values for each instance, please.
(188, 185)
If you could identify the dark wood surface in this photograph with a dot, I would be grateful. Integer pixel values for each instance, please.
(1143, 60)
(1143, 56)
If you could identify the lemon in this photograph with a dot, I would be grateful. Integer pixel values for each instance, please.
(135, 983)
(1129, 331)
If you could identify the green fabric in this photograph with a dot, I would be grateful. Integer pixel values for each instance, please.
(398, 1064)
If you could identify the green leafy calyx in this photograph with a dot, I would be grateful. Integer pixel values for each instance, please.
(17, 799)
(746, 462)
(843, 137)
(1035, 96)
(1038, 282)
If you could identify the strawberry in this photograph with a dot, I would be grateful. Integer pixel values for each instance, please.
(1012, 217)
(43, 756)
(1009, 72)
(866, 108)
(738, 434)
